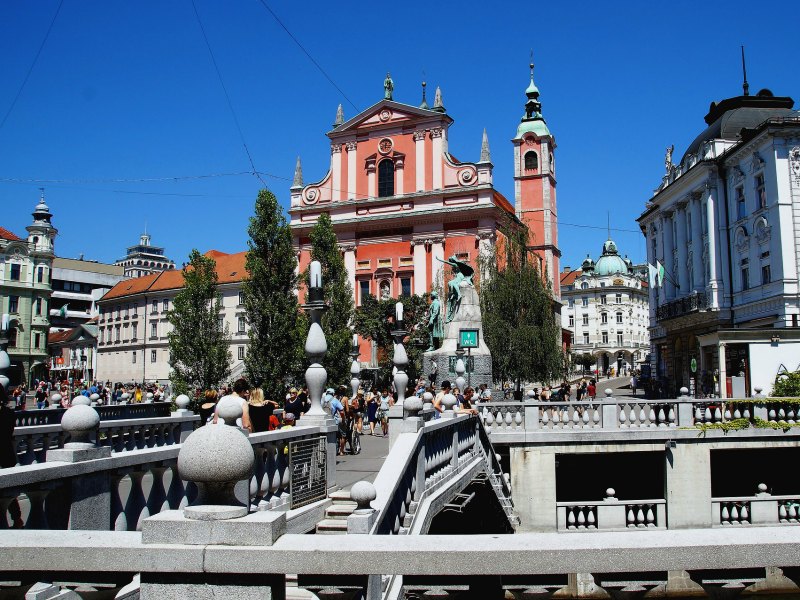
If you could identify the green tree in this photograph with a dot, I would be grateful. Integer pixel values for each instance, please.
(270, 303)
(519, 322)
(584, 360)
(374, 320)
(199, 346)
(787, 385)
(339, 296)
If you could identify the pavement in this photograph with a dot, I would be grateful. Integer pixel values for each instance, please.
(364, 466)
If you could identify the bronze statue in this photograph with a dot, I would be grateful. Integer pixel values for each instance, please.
(461, 272)
(388, 87)
(435, 329)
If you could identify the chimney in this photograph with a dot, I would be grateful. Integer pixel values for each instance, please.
(567, 269)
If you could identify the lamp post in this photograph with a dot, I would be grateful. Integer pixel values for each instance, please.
(460, 369)
(400, 357)
(355, 367)
(316, 345)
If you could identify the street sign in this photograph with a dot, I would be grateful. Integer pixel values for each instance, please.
(468, 338)
(693, 365)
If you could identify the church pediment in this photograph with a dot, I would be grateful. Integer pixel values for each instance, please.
(387, 113)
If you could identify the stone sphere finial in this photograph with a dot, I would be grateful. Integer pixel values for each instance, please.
(80, 421)
(229, 409)
(80, 400)
(215, 458)
(684, 391)
(412, 406)
(449, 401)
(531, 394)
(182, 402)
(94, 397)
(611, 494)
(608, 392)
(762, 488)
(149, 397)
(55, 399)
(363, 493)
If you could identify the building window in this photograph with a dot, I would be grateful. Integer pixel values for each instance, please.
(688, 226)
(38, 306)
(571, 321)
(531, 161)
(585, 338)
(13, 304)
(155, 307)
(385, 178)
(618, 299)
(12, 337)
(40, 275)
(37, 340)
(241, 324)
(766, 274)
(165, 306)
(745, 273)
(133, 357)
(241, 352)
(761, 191)
(584, 286)
(15, 272)
(619, 339)
(604, 337)
(116, 334)
(153, 355)
(363, 290)
(603, 318)
(741, 207)
(585, 320)
(602, 299)
(220, 323)
(153, 330)
(585, 301)
(134, 327)
(241, 298)
(571, 302)
(619, 318)
(405, 286)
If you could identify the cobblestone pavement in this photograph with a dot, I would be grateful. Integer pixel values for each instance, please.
(364, 466)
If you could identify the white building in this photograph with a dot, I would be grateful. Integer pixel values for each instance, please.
(606, 310)
(77, 286)
(723, 224)
(132, 335)
(143, 259)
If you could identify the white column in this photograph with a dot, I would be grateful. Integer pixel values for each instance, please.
(437, 255)
(420, 267)
(698, 273)
(661, 237)
(372, 186)
(485, 245)
(436, 136)
(713, 283)
(399, 165)
(350, 264)
(683, 251)
(669, 248)
(336, 172)
(419, 166)
(351, 169)
(723, 372)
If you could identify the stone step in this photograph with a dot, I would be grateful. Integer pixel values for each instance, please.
(331, 527)
(339, 511)
(341, 497)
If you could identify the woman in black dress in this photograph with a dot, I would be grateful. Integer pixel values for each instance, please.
(208, 406)
(260, 410)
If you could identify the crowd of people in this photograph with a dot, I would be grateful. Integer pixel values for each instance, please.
(107, 393)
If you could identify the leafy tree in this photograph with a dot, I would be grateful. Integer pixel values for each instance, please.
(374, 320)
(339, 295)
(584, 360)
(519, 323)
(787, 385)
(199, 347)
(270, 303)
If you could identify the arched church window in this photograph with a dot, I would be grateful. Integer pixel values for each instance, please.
(385, 178)
(531, 161)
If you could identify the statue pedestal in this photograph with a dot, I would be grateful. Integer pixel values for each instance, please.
(468, 316)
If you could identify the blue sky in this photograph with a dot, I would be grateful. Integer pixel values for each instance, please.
(128, 91)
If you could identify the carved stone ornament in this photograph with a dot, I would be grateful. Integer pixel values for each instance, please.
(436, 132)
(757, 163)
(794, 163)
(336, 148)
(737, 175)
(530, 141)
(385, 146)
(467, 177)
(351, 146)
(347, 247)
(311, 196)
(485, 235)
(742, 241)
(419, 136)
(763, 231)
(385, 115)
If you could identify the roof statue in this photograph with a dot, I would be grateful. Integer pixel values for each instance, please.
(668, 158)
(462, 272)
(388, 87)
(339, 116)
(485, 154)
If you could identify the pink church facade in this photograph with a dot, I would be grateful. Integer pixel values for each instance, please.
(400, 202)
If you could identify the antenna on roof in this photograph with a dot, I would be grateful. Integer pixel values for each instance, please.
(41, 190)
(608, 222)
(745, 85)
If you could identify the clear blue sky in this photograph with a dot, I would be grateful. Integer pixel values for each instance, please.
(127, 90)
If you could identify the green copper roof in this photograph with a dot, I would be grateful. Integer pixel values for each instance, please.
(536, 127)
(532, 89)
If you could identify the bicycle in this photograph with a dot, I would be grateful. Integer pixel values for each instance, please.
(353, 437)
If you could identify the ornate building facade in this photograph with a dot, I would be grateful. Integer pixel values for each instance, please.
(723, 224)
(25, 289)
(400, 203)
(144, 258)
(606, 310)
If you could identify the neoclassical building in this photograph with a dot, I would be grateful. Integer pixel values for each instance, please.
(723, 224)
(25, 290)
(606, 310)
(400, 203)
(144, 258)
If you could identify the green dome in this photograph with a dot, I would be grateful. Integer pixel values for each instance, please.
(537, 127)
(610, 262)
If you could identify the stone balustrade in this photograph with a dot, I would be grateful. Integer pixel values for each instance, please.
(120, 491)
(32, 442)
(52, 416)
(761, 509)
(612, 514)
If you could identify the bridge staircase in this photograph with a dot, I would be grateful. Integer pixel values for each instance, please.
(335, 520)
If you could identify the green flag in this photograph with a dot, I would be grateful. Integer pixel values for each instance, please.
(661, 273)
(62, 312)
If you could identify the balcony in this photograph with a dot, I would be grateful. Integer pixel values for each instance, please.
(683, 306)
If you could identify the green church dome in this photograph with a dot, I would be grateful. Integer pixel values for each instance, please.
(610, 262)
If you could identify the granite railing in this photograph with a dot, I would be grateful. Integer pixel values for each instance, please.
(761, 509)
(120, 491)
(52, 416)
(612, 514)
(634, 414)
(32, 442)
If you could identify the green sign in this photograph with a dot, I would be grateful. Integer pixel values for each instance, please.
(693, 365)
(468, 338)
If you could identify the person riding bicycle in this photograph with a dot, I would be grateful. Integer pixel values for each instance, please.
(337, 411)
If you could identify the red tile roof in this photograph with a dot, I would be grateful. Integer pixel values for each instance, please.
(59, 336)
(7, 235)
(569, 277)
(230, 268)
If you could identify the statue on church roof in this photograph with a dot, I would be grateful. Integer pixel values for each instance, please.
(668, 159)
(388, 87)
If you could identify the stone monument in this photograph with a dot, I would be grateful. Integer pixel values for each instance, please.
(463, 319)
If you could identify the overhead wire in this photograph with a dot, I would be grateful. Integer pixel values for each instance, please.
(33, 64)
(227, 96)
(308, 54)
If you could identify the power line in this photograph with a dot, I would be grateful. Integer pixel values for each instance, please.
(227, 96)
(126, 180)
(308, 54)
(33, 64)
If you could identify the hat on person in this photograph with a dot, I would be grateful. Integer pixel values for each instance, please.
(288, 417)
(329, 391)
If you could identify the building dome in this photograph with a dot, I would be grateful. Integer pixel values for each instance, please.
(587, 264)
(610, 261)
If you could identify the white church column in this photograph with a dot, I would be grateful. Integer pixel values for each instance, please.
(350, 264)
(351, 169)
(399, 166)
(436, 137)
(372, 185)
(713, 282)
(419, 163)
(336, 171)
(420, 267)
(485, 245)
(437, 255)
